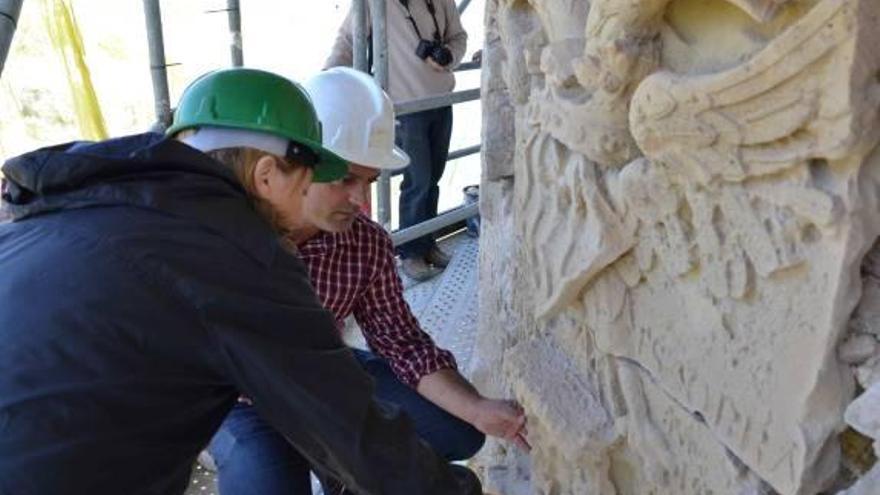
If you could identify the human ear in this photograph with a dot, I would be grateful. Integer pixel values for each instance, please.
(264, 173)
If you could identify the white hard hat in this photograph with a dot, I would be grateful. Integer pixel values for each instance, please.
(357, 118)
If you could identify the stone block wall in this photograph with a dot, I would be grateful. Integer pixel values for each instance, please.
(678, 201)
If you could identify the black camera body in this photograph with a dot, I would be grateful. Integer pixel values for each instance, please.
(435, 50)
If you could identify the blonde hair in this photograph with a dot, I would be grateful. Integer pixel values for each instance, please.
(242, 161)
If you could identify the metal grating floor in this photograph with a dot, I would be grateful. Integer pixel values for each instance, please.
(446, 306)
(201, 482)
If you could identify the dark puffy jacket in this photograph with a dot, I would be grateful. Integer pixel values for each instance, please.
(139, 296)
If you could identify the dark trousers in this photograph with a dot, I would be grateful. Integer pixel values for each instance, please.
(425, 137)
(252, 457)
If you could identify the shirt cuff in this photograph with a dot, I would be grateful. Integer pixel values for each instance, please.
(413, 372)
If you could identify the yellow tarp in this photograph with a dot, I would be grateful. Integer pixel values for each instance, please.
(66, 39)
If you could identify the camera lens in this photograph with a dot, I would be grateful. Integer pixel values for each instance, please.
(441, 55)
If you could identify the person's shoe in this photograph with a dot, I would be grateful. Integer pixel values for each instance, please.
(438, 258)
(417, 269)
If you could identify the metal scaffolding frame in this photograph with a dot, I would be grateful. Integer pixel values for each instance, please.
(359, 36)
(158, 67)
(378, 21)
(9, 12)
(233, 10)
(439, 222)
(439, 101)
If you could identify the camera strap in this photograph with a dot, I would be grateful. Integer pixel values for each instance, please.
(432, 10)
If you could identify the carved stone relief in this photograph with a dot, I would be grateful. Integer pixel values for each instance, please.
(690, 221)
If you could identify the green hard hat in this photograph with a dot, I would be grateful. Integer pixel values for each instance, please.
(259, 101)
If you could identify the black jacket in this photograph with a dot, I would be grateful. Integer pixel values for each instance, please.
(139, 296)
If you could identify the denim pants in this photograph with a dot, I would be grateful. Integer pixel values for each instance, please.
(425, 137)
(252, 457)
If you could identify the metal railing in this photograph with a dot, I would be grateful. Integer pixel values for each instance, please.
(468, 66)
(441, 221)
(453, 155)
(439, 101)
(378, 22)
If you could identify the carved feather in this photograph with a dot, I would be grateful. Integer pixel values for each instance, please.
(764, 116)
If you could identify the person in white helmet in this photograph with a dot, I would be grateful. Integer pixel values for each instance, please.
(350, 260)
(426, 42)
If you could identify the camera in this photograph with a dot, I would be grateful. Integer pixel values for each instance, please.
(435, 50)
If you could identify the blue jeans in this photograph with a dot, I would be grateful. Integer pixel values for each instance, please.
(252, 457)
(425, 137)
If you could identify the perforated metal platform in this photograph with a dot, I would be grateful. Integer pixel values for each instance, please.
(202, 482)
(447, 308)
(447, 305)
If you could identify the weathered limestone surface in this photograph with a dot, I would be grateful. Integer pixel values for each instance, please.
(677, 203)
(864, 414)
(861, 349)
(866, 485)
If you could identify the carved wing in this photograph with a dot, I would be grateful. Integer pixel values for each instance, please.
(762, 117)
(772, 121)
(760, 10)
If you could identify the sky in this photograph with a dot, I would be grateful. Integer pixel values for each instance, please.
(290, 37)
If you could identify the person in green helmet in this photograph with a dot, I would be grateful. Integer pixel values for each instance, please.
(145, 289)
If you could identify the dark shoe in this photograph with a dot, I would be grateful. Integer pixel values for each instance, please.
(438, 258)
(417, 269)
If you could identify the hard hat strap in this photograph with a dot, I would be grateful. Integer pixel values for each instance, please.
(210, 138)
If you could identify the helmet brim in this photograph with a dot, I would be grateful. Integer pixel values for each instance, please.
(397, 159)
(331, 166)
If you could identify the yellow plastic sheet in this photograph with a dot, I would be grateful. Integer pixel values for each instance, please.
(66, 39)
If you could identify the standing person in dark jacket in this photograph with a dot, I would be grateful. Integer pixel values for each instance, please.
(144, 288)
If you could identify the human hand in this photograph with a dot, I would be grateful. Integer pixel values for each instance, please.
(434, 65)
(504, 419)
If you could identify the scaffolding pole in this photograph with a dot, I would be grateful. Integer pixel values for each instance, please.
(9, 12)
(158, 67)
(379, 23)
(359, 36)
(233, 11)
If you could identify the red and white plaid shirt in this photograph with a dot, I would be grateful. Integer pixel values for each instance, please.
(354, 272)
